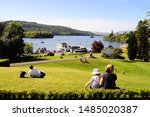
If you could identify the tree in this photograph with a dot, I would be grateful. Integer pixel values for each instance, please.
(13, 30)
(3, 49)
(13, 38)
(28, 49)
(132, 46)
(1, 29)
(111, 34)
(141, 35)
(97, 46)
(116, 53)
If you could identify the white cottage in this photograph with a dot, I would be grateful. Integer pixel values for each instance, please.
(106, 52)
(61, 46)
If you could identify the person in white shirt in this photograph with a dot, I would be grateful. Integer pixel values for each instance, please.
(34, 73)
(95, 80)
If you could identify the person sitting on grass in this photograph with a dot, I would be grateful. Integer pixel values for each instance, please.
(108, 79)
(34, 73)
(94, 81)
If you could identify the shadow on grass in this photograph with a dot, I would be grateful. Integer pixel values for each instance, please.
(29, 58)
(130, 61)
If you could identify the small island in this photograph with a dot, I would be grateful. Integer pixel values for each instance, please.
(38, 34)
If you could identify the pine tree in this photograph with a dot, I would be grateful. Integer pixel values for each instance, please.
(132, 46)
(142, 39)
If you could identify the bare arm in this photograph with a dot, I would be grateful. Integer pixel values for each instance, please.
(102, 81)
(88, 84)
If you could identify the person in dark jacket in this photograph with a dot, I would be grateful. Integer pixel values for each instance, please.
(108, 79)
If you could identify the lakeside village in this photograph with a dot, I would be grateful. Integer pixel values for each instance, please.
(64, 48)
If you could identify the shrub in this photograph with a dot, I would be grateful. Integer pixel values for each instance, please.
(5, 62)
(50, 54)
(76, 95)
(97, 46)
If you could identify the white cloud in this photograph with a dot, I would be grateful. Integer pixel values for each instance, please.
(92, 24)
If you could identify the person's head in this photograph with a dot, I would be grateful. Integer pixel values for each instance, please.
(96, 72)
(109, 68)
(31, 66)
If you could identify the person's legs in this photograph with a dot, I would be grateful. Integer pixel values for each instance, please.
(42, 74)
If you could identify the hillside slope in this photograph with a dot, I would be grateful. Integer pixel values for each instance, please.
(55, 30)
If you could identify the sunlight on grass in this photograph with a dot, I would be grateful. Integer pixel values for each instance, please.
(73, 75)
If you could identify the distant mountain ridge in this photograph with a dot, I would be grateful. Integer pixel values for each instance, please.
(55, 30)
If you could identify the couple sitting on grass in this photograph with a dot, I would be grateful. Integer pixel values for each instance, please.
(104, 81)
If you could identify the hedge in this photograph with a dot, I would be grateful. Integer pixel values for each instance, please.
(4, 62)
(76, 95)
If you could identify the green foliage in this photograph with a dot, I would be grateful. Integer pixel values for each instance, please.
(117, 53)
(3, 49)
(50, 54)
(4, 62)
(132, 46)
(38, 34)
(116, 37)
(28, 49)
(1, 29)
(12, 42)
(141, 35)
(76, 95)
(111, 35)
(13, 30)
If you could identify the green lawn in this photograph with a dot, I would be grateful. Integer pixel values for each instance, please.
(73, 75)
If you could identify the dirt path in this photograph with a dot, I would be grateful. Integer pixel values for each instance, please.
(41, 62)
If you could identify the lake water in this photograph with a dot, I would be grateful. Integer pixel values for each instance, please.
(50, 43)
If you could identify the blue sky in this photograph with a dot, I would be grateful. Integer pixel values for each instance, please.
(91, 15)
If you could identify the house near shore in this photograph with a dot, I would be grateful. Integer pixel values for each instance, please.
(73, 49)
(108, 51)
(62, 47)
(80, 49)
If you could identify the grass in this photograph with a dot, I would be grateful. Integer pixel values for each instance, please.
(73, 75)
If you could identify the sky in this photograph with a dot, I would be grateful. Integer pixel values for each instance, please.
(88, 15)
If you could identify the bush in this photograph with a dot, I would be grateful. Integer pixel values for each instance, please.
(76, 95)
(97, 46)
(50, 54)
(4, 62)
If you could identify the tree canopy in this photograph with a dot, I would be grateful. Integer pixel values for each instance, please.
(97, 46)
(142, 34)
(12, 41)
(132, 46)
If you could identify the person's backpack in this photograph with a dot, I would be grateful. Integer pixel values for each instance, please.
(22, 74)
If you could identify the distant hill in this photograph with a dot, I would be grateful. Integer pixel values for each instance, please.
(101, 33)
(55, 30)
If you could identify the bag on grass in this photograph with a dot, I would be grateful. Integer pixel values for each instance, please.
(22, 74)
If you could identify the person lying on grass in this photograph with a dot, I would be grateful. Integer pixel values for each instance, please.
(95, 80)
(34, 73)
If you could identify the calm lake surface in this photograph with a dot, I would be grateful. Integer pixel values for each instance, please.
(50, 43)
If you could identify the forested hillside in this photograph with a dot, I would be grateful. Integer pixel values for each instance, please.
(55, 30)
